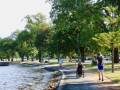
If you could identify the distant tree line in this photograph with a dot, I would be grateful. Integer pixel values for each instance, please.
(78, 28)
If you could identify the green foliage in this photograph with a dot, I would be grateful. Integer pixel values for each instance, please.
(78, 27)
(7, 48)
(74, 24)
(39, 32)
(104, 41)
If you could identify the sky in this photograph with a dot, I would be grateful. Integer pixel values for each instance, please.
(12, 13)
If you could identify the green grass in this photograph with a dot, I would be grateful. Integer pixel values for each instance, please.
(53, 61)
(115, 77)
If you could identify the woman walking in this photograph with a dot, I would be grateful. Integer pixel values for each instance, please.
(100, 66)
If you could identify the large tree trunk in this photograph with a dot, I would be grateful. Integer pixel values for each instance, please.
(40, 56)
(70, 58)
(22, 58)
(32, 58)
(1, 59)
(82, 51)
(27, 57)
(78, 46)
(78, 54)
(58, 53)
(12, 59)
(58, 57)
(116, 56)
(8, 58)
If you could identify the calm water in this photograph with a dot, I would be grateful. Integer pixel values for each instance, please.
(17, 77)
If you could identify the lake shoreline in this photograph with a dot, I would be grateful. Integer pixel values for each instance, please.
(24, 76)
(52, 80)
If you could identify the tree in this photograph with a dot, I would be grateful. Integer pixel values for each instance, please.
(111, 18)
(76, 21)
(7, 48)
(103, 41)
(41, 42)
(23, 44)
(39, 30)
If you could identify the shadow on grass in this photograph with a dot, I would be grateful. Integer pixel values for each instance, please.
(116, 81)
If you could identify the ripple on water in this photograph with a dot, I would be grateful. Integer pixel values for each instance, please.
(17, 77)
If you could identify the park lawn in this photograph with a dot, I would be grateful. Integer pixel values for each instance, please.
(65, 63)
(115, 77)
(53, 61)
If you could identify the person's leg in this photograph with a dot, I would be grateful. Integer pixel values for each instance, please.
(102, 69)
(83, 73)
(99, 75)
(102, 76)
(99, 72)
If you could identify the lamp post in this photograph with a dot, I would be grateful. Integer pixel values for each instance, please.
(112, 57)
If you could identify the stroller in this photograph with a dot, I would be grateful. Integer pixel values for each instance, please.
(80, 71)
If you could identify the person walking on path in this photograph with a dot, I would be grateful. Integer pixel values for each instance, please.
(100, 66)
(79, 71)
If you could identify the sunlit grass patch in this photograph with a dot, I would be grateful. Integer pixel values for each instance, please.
(108, 67)
(53, 61)
(115, 77)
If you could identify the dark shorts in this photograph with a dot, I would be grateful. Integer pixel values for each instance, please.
(100, 67)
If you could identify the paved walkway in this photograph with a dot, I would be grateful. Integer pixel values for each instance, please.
(89, 82)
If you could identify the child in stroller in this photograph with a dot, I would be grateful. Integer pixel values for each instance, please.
(79, 71)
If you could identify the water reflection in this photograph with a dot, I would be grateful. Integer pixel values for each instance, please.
(17, 77)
